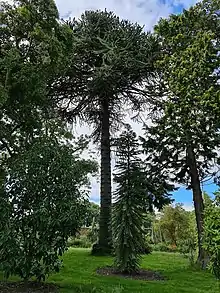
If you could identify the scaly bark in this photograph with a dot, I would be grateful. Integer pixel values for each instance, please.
(104, 241)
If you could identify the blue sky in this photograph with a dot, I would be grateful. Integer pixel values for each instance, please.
(185, 196)
(146, 13)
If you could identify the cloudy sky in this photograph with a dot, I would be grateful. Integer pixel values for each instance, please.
(147, 13)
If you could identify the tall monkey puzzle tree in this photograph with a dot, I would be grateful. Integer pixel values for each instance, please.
(185, 136)
(111, 65)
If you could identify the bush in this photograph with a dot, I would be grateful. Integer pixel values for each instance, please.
(93, 234)
(147, 249)
(188, 248)
(161, 247)
(41, 204)
(81, 241)
(212, 235)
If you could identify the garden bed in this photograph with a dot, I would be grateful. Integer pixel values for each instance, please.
(30, 287)
(145, 275)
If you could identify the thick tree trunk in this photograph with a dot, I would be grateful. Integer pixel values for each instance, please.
(104, 242)
(198, 203)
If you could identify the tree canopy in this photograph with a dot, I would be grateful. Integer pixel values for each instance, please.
(111, 65)
(43, 202)
(184, 137)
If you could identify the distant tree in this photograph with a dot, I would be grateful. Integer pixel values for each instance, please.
(133, 198)
(92, 214)
(42, 202)
(174, 223)
(111, 66)
(185, 134)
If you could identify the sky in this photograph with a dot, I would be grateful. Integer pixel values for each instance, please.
(147, 13)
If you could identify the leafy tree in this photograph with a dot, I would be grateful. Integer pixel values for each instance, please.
(31, 55)
(176, 224)
(212, 234)
(110, 66)
(185, 134)
(133, 198)
(43, 202)
(92, 215)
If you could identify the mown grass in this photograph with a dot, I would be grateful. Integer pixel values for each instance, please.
(79, 276)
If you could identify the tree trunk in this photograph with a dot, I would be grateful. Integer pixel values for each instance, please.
(105, 240)
(198, 203)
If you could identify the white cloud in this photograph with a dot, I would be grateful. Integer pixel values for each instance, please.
(145, 12)
(188, 206)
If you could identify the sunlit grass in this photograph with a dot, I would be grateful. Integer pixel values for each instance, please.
(79, 275)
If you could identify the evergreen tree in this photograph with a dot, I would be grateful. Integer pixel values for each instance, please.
(185, 135)
(111, 65)
(133, 198)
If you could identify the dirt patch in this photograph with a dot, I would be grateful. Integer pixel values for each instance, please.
(31, 287)
(145, 275)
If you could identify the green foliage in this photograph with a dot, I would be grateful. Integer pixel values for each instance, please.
(43, 202)
(212, 234)
(81, 241)
(133, 198)
(130, 204)
(163, 247)
(32, 54)
(175, 224)
(110, 58)
(183, 139)
(92, 215)
(93, 234)
(189, 115)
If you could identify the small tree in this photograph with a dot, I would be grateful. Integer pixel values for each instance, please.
(133, 197)
(41, 205)
(212, 234)
(175, 224)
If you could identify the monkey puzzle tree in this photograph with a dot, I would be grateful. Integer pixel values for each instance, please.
(185, 134)
(136, 193)
(111, 65)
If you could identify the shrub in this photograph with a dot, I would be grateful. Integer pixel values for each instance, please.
(42, 203)
(147, 249)
(81, 241)
(211, 237)
(161, 247)
(93, 234)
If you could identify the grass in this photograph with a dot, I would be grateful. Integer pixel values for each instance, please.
(79, 276)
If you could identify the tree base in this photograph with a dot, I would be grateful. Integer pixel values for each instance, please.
(203, 261)
(99, 250)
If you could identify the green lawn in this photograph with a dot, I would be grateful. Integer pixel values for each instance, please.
(79, 275)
